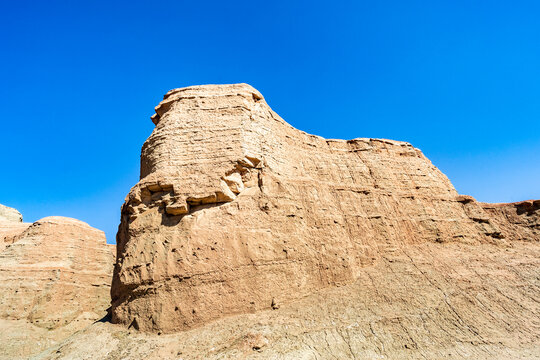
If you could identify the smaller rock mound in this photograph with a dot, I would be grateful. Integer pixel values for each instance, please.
(55, 279)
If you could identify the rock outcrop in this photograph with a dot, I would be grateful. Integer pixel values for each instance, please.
(237, 211)
(54, 280)
(517, 221)
(9, 214)
(11, 225)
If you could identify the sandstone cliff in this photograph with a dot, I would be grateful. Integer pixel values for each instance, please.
(54, 280)
(237, 211)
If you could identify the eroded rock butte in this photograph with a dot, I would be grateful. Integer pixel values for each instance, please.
(237, 211)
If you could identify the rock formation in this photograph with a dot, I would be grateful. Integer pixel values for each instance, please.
(424, 301)
(517, 221)
(11, 225)
(237, 211)
(54, 280)
(9, 214)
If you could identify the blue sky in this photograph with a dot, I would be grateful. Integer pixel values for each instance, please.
(79, 80)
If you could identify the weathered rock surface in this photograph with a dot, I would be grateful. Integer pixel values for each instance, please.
(517, 221)
(9, 231)
(11, 225)
(54, 280)
(423, 301)
(237, 211)
(9, 214)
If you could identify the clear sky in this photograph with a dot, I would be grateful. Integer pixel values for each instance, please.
(79, 80)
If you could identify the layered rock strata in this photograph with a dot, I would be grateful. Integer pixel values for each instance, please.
(517, 221)
(237, 211)
(54, 280)
(11, 225)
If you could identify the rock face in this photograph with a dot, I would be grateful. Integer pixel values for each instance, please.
(9, 214)
(423, 301)
(11, 225)
(54, 280)
(518, 221)
(237, 211)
